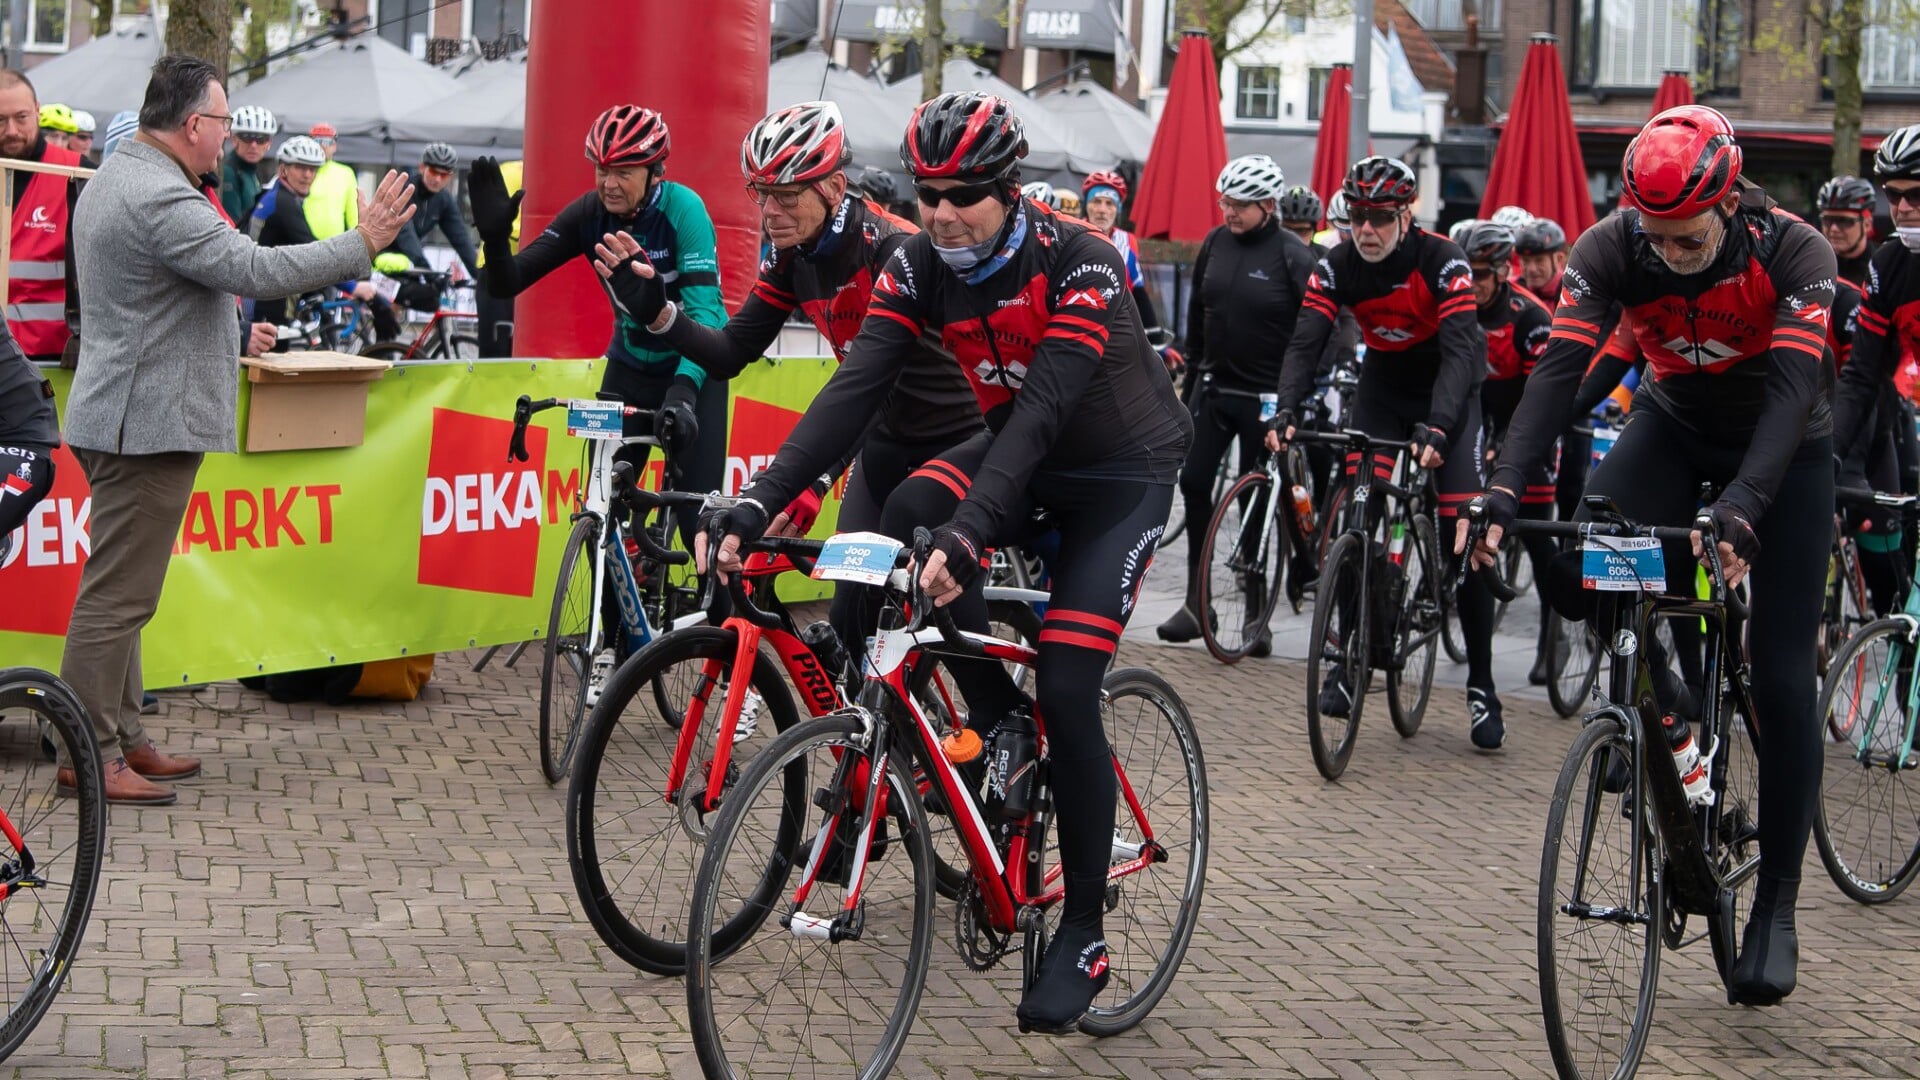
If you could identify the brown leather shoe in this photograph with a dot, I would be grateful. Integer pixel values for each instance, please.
(156, 764)
(123, 786)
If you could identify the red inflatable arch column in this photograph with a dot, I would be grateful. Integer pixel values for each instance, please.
(704, 67)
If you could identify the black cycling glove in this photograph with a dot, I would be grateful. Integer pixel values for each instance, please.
(1498, 507)
(1282, 420)
(493, 209)
(641, 298)
(674, 423)
(962, 550)
(1731, 525)
(746, 519)
(1428, 437)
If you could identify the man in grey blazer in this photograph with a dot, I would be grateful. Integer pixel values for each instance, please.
(157, 382)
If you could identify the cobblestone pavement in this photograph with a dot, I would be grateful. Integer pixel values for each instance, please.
(382, 890)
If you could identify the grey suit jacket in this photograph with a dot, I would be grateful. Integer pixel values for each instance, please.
(158, 272)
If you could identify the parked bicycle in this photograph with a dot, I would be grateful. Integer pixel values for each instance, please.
(326, 321)
(449, 334)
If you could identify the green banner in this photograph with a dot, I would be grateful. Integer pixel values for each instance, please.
(425, 538)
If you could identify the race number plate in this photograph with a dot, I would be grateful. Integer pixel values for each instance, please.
(866, 558)
(1625, 564)
(595, 419)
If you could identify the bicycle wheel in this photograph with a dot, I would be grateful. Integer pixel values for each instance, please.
(565, 665)
(1240, 582)
(1574, 655)
(1338, 648)
(463, 347)
(794, 992)
(1868, 827)
(1410, 676)
(1151, 913)
(1176, 523)
(1601, 906)
(633, 853)
(1734, 844)
(394, 351)
(41, 923)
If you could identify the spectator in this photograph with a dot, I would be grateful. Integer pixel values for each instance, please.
(279, 216)
(253, 130)
(39, 275)
(122, 126)
(56, 123)
(156, 388)
(496, 313)
(333, 208)
(434, 206)
(81, 141)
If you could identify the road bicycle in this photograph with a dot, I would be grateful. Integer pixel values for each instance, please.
(823, 855)
(1379, 601)
(1868, 827)
(52, 841)
(643, 792)
(447, 335)
(326, 321)
(606, 555)
(1632, 850)
(1257, 526)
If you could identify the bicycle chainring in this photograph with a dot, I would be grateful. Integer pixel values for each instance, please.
(980, 946)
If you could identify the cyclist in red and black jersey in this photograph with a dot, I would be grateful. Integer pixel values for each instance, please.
(1516, 325)
(1846, 217)
(1085, 425)
(1412, 293)
(1728, 296)
(828, 246)
(1541, 245)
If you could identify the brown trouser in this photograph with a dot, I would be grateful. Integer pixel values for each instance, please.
(138, 502)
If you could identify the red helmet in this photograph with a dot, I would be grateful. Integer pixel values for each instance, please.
(628, 135)
(1105, 178)
(1380, 181)
(965, 135)
(796, 145)
(1681, 164)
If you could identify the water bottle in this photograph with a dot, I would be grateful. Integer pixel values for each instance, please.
(1302, 504)
(1010, 766)
(827, 648)
(1686, 758)
(1269, 407)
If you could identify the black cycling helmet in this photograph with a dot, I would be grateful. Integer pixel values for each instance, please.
(439, 155)
(1379, 181)
(1899, 155)
(965, 135)
(1300, 204)
(1843, 193)
(1541, 236)
(1489, 242)
(876, 184)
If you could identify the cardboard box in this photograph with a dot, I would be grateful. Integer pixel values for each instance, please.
(308, 400)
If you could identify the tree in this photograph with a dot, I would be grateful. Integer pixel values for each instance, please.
(1217, 18)
(260, 15)
(1804, 34)
(933, 50)
(1846, 27)
(202, 28)
(102, 17)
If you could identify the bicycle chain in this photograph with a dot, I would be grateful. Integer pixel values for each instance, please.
(979, 945)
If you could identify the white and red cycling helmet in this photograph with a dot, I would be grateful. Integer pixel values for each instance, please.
(800, 144)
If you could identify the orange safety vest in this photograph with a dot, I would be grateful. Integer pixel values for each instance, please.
(37, 277)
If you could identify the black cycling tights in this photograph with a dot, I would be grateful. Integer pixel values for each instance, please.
(703, 466)
(893, 488)
(26, 475)
(1653, 475)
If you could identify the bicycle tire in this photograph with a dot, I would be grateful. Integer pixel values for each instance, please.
(1574, 658)
(461, 347)
(561, 711)
(1419, 616)
(1858, 773)
(1228, 642)
(1342, 574)
(38, 816)
(394, 351)
(1734, 844)
(643, 925)
(905, 914)
(1452, 637)
(1581, 784)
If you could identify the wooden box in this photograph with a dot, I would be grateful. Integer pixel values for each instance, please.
(308, 400)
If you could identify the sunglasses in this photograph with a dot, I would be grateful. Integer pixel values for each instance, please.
(1691, 242)
(1379, 217)
(1907, 195)
(1482, 273)
(1841, 221)
(784, 199)
(435, 170)
(1234, 206)
(957, 197)
(253, 140)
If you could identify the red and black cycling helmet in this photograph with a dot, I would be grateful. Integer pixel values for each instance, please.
(627, 135)
(965, 135)
(1844, 193)
(1899, 155)
(800, 144)
(1682, 164)
(1104, 178)
(1379, 181)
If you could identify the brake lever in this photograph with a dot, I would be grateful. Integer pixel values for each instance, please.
(522, 416)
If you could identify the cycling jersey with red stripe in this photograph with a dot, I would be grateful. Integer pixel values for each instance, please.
(1886, 328)
(1737, 353)
(1517, 326)
(1846, 316)
(1416, 311)
(831, 281)
(1055, 352)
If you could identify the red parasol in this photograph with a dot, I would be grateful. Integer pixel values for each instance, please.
(1537, 165)
(1177, 199)
(1675, 89)
(1330, 159)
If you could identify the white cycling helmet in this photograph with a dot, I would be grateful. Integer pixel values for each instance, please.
(83, 120)
(1041, 192)
(302, 150)
(1512, 217)
(1254, 178)
(801, 144)
(1337, 215)
(254, 120)
(1458, 233)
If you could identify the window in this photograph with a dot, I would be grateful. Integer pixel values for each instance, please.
(1257, 96)
(1890, 49)
(403, 21)
(1727, 23)
(1452, 14)
(1631, 43)
(1316, 92)
(496, 19)
(47, 25)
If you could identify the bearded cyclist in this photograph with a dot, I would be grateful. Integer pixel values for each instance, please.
(1728, 296)
(1412, 293)
(828, 247)
(1249, 282)
(628, 147)
(1085, 425)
